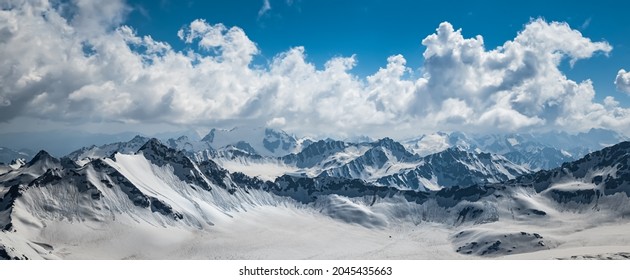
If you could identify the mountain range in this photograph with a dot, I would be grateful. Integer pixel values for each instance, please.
(531, 196)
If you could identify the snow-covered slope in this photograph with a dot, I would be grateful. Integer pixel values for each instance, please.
(158, 186)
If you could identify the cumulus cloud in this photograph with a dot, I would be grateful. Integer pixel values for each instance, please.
(515, 86)
(68, 64)
(623, 81)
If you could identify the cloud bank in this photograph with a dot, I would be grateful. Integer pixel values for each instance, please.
(78, 63)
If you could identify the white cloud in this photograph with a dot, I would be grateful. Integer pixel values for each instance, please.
(623, 81)
(74, 69)
(265, 8)
(229, 44)
(516, 86)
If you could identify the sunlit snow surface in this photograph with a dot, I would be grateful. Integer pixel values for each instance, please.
(298, 232)
(58, 220)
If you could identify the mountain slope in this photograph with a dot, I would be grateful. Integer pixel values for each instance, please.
(158, 185)
(454, 167)
(606, 171)
(385, 157)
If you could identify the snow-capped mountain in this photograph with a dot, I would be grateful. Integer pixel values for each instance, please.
(437, 142)
(384, 162)
(85, 154)
(454, 167)
(606, 171)
(526, 150)
(384, 157)
(532, 151)
(325, 154)
(51, 207)
(158, 185)
(9, 155)
(256, 140)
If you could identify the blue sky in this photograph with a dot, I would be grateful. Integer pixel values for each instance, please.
(315, 68)
(377, 29)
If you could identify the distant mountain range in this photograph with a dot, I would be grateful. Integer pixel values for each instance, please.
(426, 162)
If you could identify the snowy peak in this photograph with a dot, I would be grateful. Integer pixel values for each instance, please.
(136, 141)
(84, 155)
(454, 167)
(255, 140)
(153, 145)
(437, 142)
(317, 153)
(278, 141)
(532, 151)
(41, 155)
(495, 164)
(17, 163)
(383, 157)
(396, 148)
(160, 154)
(43, 158)
(210, 136)
(9, 155)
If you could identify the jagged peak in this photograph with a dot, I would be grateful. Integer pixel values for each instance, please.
(325, 144)
(210, 136)
(390, 143)
(385, 140)
(161, 154)
(153, 145)
(42, 156)
(137, 139)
